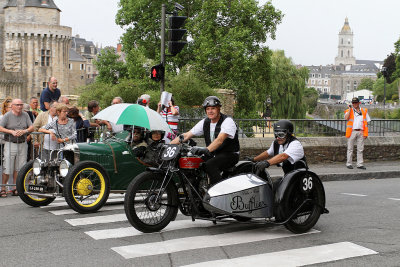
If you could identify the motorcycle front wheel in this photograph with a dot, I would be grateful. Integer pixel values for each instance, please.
(149, 204)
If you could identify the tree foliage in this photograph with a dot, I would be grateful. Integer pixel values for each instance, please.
(366, 83)
(310, 99)
(288, 85)
(109, 67)
(225, 44)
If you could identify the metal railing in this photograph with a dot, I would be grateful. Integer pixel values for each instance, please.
(303, 127)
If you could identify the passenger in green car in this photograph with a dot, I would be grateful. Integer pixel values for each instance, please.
(151, 155)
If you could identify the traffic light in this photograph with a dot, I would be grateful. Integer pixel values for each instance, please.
(157, 72)
(175, 34)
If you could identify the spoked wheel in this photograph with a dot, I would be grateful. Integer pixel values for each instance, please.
(149, 204)
(308, 190)
(24, 179)
(86, 187)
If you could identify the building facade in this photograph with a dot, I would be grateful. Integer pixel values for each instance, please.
(343, 77)
(34, 47)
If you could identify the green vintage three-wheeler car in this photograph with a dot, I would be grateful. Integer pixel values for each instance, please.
(84, 173)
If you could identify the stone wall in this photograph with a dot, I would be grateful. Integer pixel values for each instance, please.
(327, 149)
(228, 101)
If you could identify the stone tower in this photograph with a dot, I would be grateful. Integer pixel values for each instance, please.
(345, 47)
(33, 45)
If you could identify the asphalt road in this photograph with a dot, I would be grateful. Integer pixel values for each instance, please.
(362, 229)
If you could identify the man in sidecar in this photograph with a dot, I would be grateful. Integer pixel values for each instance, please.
(221, 137)
(286, 150)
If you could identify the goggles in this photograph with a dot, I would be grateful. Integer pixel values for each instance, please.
(212, 103)
(280, 134)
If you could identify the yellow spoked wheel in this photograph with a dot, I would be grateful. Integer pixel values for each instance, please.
(86, 187)
(24, 179)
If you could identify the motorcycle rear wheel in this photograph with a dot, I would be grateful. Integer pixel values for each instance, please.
(144, 208)
(309, 214)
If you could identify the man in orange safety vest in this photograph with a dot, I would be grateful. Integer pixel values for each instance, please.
(356, 131)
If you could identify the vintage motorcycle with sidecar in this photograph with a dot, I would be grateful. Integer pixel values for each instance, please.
(84, 173)
(154, 197)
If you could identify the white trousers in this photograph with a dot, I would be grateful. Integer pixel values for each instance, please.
(356, 136)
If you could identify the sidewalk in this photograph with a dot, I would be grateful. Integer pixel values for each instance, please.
(339, 172)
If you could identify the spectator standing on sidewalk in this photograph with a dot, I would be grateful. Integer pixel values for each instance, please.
(43, 119)
(34, 106)
(171, 116)
(49, 94)
(356, 131)
(16, 125)
(63, 129)
(144, 100)
(93, 109)
(116, 128)
(63, 100)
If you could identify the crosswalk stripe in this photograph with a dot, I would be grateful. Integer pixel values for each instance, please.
(63, 203)
(295, 257)
(394, 198)
(356, 195)
(206, 241)
(130, 231)
(97, 219)
(71, 211)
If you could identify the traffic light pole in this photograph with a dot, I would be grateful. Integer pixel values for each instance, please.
(163, 14)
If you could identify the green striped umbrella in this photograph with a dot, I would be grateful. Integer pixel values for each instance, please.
(133, 114)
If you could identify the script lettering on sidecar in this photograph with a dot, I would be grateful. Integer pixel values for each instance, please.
(239, 206)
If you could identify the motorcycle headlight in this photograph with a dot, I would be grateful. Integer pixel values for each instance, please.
(37, 166)
(64, 167)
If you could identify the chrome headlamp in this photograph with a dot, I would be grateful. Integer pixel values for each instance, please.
(37, 166)
(64, 167)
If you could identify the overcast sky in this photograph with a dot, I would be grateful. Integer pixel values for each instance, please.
(308, 32)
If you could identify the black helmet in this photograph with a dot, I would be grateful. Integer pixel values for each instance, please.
(283, 128)
(149, 134)
(211, 101)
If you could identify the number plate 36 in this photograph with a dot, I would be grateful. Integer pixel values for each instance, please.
(170, 152)
(307, 184)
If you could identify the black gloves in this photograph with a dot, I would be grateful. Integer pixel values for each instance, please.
(200, 151)
(261, 165)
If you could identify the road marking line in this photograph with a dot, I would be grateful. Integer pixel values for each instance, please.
(356, 195)
(205, 241)
(394, 198)
(71, 211)
(98, 219)
(61, 204)
(130, 231)
(295, 257)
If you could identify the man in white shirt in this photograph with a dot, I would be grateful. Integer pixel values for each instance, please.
(221, 137)
(356, 131)
(285, 149)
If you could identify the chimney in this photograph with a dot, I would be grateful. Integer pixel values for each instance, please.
(119, 48)
(45, 2)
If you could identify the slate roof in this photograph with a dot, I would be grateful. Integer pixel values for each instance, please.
(76, 43)
(34, 3)
(74, 56)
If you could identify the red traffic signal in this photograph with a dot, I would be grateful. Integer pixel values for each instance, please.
(157, 72)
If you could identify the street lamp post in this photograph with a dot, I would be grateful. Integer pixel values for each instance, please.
(384, 73)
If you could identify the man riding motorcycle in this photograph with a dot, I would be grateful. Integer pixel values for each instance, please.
(221, 137)
(285, 149)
